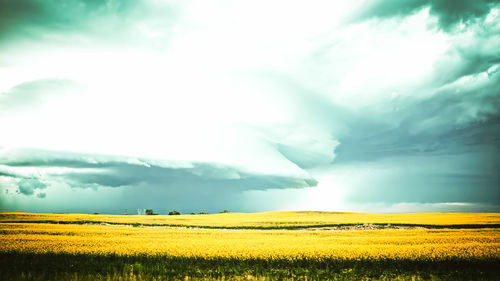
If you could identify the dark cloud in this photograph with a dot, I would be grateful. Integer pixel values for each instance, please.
(8, 174)
(40, 159)
(198, 187)
(457, 127)
(451, 12)
(119, 171)
(202, 188)
(21, 15)
(34, 19)
(448, 12)
(27, 186)
(454, 120)
(103, 171)
(470, 54)
(391, 8)
(200, 176)
(468, 177)
(27, 157)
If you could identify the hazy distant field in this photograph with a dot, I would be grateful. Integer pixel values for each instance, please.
(277, 245)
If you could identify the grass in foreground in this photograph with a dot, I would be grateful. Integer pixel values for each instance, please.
(52, 266)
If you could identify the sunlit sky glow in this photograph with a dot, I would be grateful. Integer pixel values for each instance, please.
(201, 106)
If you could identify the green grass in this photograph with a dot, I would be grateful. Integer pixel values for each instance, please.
(18, 266)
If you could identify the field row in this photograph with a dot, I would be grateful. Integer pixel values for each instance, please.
(415, 244)
(268, 219)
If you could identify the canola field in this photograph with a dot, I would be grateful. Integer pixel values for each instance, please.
(266, 220)
(211, 243)
(249, 247)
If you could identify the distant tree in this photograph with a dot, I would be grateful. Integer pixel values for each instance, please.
(225, 211)
(173, 213)
(149, 212)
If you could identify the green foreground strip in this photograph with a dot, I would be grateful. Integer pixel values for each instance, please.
(23, 266)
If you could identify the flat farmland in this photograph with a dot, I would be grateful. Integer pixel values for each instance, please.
(258, 246)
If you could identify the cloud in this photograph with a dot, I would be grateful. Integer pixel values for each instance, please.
(172, 103)
(139, 183)
(424, 186)
(449, 12)
(31, 17)
(247, 140)
(32, 95)
(198, 177)
(385, 9)
(462, 176)
(470, 52)
(28, 186)
(8, 174)
(82, 171)
(456, 118)
(79, 23)
(409, 207)
(469, 49)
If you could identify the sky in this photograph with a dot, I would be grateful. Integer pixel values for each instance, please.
(201, 106)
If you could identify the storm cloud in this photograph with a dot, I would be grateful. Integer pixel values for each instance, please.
(34, 170)
(30, 19)
(203, 106)
(448, 12)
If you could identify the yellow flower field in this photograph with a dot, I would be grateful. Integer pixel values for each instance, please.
(264, 246)
(267, 219)
(422, 244)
